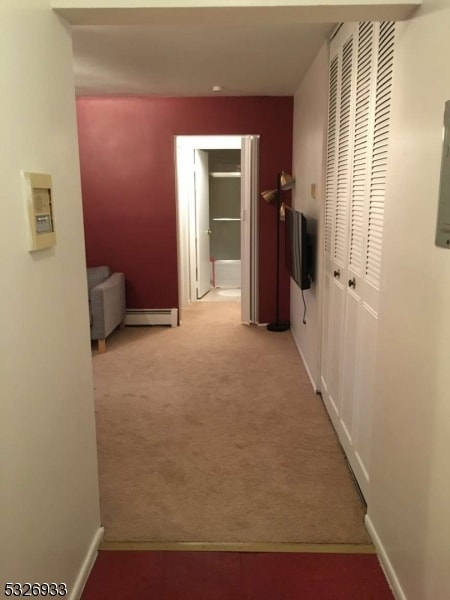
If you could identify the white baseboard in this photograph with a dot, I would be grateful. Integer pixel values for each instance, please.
(297, 343)
(152, 316)
(385, 562)
(87, 565)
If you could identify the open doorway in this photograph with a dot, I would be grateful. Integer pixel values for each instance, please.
(217, 220)
(222, 217)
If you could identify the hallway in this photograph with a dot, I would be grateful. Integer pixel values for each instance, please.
(210, 432)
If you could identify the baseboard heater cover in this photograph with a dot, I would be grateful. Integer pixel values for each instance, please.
(152, 316)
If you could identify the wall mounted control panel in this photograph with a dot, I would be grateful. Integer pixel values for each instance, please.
(39, 201)
(443, 222)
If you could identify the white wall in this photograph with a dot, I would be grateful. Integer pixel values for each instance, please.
(410, 473)
(309, 136)
(48, 493)
(410, 468)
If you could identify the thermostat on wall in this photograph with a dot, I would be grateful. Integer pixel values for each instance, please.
(41, 225)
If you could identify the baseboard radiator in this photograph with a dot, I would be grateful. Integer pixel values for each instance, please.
(152, 316)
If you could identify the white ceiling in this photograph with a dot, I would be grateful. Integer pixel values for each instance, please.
(185, 51)
(175, 59)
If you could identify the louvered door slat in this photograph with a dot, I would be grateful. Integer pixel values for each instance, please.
(364, 80)
(343, 156)
(385, 58)
(330, 186)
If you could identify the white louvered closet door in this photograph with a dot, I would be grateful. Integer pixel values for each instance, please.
(354, 212)
(339, 154)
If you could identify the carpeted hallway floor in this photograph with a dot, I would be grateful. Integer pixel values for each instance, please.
(211, 432)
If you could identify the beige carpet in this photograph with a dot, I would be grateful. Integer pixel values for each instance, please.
(211, 432)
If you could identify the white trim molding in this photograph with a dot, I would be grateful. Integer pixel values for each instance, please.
(305, 364)
(152, 316)
(279, 547)
(142, 12)
(87, 565)
(386, 564)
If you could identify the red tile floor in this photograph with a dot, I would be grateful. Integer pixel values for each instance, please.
(146, 575)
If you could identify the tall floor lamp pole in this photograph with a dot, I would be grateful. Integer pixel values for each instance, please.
(284, 182)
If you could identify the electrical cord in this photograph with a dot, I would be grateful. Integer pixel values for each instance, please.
(304, 312)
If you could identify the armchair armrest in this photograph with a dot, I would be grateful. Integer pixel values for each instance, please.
(107, 306)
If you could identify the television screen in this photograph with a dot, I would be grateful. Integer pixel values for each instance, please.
(298, 248)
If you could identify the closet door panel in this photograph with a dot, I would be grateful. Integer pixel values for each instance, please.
(338, 179)
(344, 154)
(330, 350)
(352, 301)
(368, 313)
(364, 386)
(363, 126)
(325, 351)
(358, 200)
(380, 147)
(335, 336)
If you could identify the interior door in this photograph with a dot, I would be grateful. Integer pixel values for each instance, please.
(338, 177)
(372, 123)
(202, 222)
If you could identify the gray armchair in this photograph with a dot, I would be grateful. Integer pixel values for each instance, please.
(106, 303)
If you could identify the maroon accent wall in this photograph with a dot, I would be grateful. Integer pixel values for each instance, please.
(128, 185)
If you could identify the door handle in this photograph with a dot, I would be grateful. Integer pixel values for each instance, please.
(208, 231)
(337, 274)
(352, 283)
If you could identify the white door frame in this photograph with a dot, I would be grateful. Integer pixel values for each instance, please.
(202, 223)
(184, 151)
(249, 229)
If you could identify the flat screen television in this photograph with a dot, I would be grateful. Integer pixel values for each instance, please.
(299, 259)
